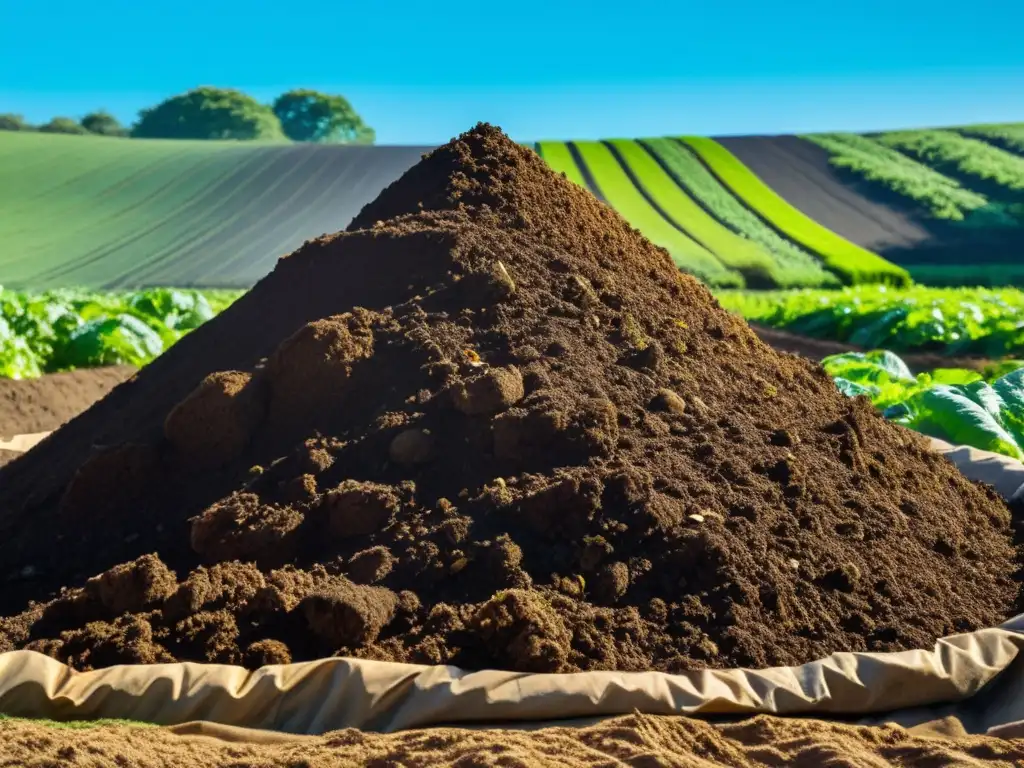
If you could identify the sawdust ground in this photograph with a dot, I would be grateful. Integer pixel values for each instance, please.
(638, 740)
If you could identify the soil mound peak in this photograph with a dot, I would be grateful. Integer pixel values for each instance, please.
(495, 427)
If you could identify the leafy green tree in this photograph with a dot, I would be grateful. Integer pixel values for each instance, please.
(63, 125)
(307, 115)
(11, 122)
(209, 113)
(103, 123)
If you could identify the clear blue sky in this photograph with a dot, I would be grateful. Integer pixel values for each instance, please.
(547, 70)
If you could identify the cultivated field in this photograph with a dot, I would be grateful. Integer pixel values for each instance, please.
(107, 213)
(492, 428)
(110, 213)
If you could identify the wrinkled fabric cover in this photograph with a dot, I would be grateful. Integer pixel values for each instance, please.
(953, 679)
(1003, 473)
(21, 443)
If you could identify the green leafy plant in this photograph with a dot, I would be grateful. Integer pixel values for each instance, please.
(983, 410)
(952, 321)
(67, 329)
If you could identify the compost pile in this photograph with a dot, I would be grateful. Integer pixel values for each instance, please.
(489, 425)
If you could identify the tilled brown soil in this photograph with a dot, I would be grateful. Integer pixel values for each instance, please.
(640, 740)
(43, 404)
(490, 426)
(37, 405)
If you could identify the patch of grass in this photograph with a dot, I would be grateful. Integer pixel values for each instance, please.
(557, 155)
(75, 724)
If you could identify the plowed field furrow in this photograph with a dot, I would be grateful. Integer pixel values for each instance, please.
(242, 215)
(110, 261)
(121, 213)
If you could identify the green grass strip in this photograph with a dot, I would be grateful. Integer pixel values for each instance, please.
(970, 157)
(756, 266)
(619, 191)
(850, 262)
(557, 155)
(796, 267)
(75, 725)
(942, 196)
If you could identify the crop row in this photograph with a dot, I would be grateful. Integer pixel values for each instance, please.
(794, 266)
(952, 321)
(620, 191)
(729, 228)
(942, 196)
(850, 262)
(1009, 136)
(960, 154)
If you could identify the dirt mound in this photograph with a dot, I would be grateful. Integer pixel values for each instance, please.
(759, 742)
(495, 428)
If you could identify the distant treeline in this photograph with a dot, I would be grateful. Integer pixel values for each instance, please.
(223, 113)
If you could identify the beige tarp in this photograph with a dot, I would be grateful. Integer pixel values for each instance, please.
(976, 677)
(1005, 474)
(21, 443)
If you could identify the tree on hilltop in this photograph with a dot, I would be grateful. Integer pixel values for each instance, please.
(307, 115)
(209, 113)
(12, 122)
(63, 125)
(102, 123)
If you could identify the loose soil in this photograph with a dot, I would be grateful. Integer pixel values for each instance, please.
(45, 403)
(642, 740)
(492, 426)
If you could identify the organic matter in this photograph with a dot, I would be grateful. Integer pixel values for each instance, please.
(588, 520)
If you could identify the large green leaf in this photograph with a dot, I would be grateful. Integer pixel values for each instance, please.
(952, 413)
(123, 339)
(17, 360)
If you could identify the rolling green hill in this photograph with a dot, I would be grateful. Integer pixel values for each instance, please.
(110, 213)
